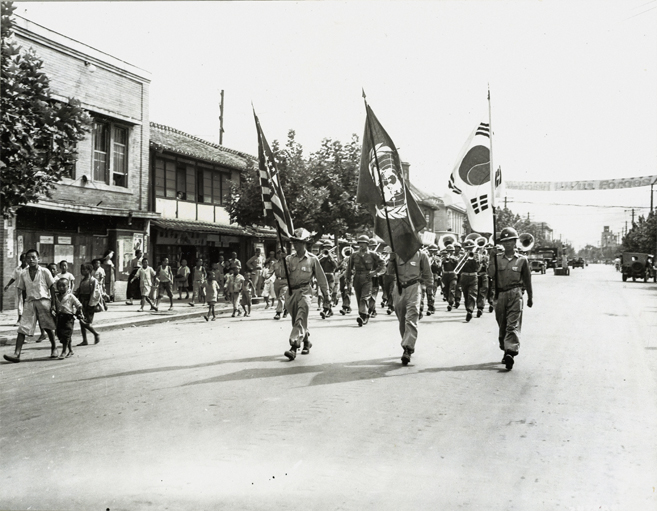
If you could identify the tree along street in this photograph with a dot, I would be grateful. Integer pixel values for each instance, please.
(196, 415)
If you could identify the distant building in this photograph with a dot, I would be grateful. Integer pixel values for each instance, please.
(191, 180)
(608, 239)
(103, 203)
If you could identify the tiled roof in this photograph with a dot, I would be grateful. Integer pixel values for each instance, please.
(426, 198)
(211, 228)
(170, 139)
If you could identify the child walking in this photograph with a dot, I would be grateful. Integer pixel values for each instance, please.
(68, 308)
(248, 290)
(165, 277)
(212, 294)
(146, 275)
(182, 279)
(89, 294)
(234, 285)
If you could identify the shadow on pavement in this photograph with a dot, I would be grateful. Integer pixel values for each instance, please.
(327, 373)
(270, 358)
(488, 366)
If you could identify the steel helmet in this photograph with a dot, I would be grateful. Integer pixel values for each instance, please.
(363, 239)
(508, 233)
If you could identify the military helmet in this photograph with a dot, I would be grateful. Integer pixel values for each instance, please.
(508, 233)
(363, 239)
(468, 244)
(450, 248)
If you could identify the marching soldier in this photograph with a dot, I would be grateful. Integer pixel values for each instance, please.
(482, 283)
(376, 282)
(513, 274)
(329, 265)
(341, 277)
(412, 275)
(468, 278)
(280, 284)
(457, 291)
(449, 276)
(363, 265)
(435, 283)
(302, 266)
(388, 279)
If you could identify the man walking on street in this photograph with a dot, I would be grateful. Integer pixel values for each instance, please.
(302, 266)
(412, 275)
(468, 278)
(513, 274)
(280, 284)
(363, 266)
(255, 265)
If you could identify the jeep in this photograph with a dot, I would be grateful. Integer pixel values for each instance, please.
(637, 265)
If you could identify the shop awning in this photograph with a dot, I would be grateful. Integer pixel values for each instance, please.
(212, 228)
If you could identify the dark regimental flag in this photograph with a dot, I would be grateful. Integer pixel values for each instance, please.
(471, 176)
(272, 194)
(382, 188)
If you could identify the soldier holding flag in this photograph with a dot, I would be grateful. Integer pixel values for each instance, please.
(397, 219)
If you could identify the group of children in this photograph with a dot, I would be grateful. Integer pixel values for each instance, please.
(207, 286)
(48, 299)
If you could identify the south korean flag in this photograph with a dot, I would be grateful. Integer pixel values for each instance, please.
(471, 177)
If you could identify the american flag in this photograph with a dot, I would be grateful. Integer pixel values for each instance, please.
(272, 194)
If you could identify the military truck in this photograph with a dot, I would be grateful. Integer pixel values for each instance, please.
(636, 265)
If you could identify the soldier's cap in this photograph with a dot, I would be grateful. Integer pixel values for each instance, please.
(326, 243)
(468, 244)
(363, 239)
(508, 233)
(455, 244)
(387, 250)
(450, 248)
(301, 235)
(433, 247)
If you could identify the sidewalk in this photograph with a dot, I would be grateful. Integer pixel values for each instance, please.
(120, 315)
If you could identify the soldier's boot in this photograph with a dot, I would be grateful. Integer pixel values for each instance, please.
(292, 352)
(306, 345)
(479, 312)
(468, 316)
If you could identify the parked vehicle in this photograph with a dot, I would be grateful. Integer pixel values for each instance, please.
(536, 264)
(638, 266)
(577, 262)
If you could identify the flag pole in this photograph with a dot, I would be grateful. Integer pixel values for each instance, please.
(383, 197)
(261, 151)
(492, 195)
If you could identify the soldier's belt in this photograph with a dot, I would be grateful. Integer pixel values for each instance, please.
(472, 274)
(362, 272)
(516, 286)
(446, 272)
(404, 285)
(299, 286)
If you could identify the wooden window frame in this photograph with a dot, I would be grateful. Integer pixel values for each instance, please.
(111, 128)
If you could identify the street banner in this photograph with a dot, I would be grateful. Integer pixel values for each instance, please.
(471, 178)
(568, 186)
(382, 188)
(273, 199)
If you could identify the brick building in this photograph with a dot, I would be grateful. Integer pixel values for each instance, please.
(190, 188)
(103, 204)
(440, 213)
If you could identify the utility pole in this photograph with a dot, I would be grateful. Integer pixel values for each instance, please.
(632, 218)
(505, 202)
(651, 185)
(221, 119)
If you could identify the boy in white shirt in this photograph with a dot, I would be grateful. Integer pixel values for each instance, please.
(40, 304)
(64, 274)
(68, 308)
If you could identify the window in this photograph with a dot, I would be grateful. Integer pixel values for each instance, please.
(110, 153)
(195, 183)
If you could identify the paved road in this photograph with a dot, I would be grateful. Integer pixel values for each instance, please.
(198, 415)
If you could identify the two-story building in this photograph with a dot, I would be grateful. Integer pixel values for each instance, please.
(192, 181)
(441, 214)
(103, 204)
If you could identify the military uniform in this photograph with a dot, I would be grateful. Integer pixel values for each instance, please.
(299, 296)
(280, 286)
(363, 266)
(449, 279)
(329, 265)
(482, 283)
(512, 274)
(468, 281)
(412, 274)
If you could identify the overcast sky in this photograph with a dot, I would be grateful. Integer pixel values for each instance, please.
(573, 84)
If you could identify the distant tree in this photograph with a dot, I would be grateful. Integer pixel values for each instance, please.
(320, 190)
(39, 135)
(643, 236)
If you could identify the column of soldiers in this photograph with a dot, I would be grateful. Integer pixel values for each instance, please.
(456, 271)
